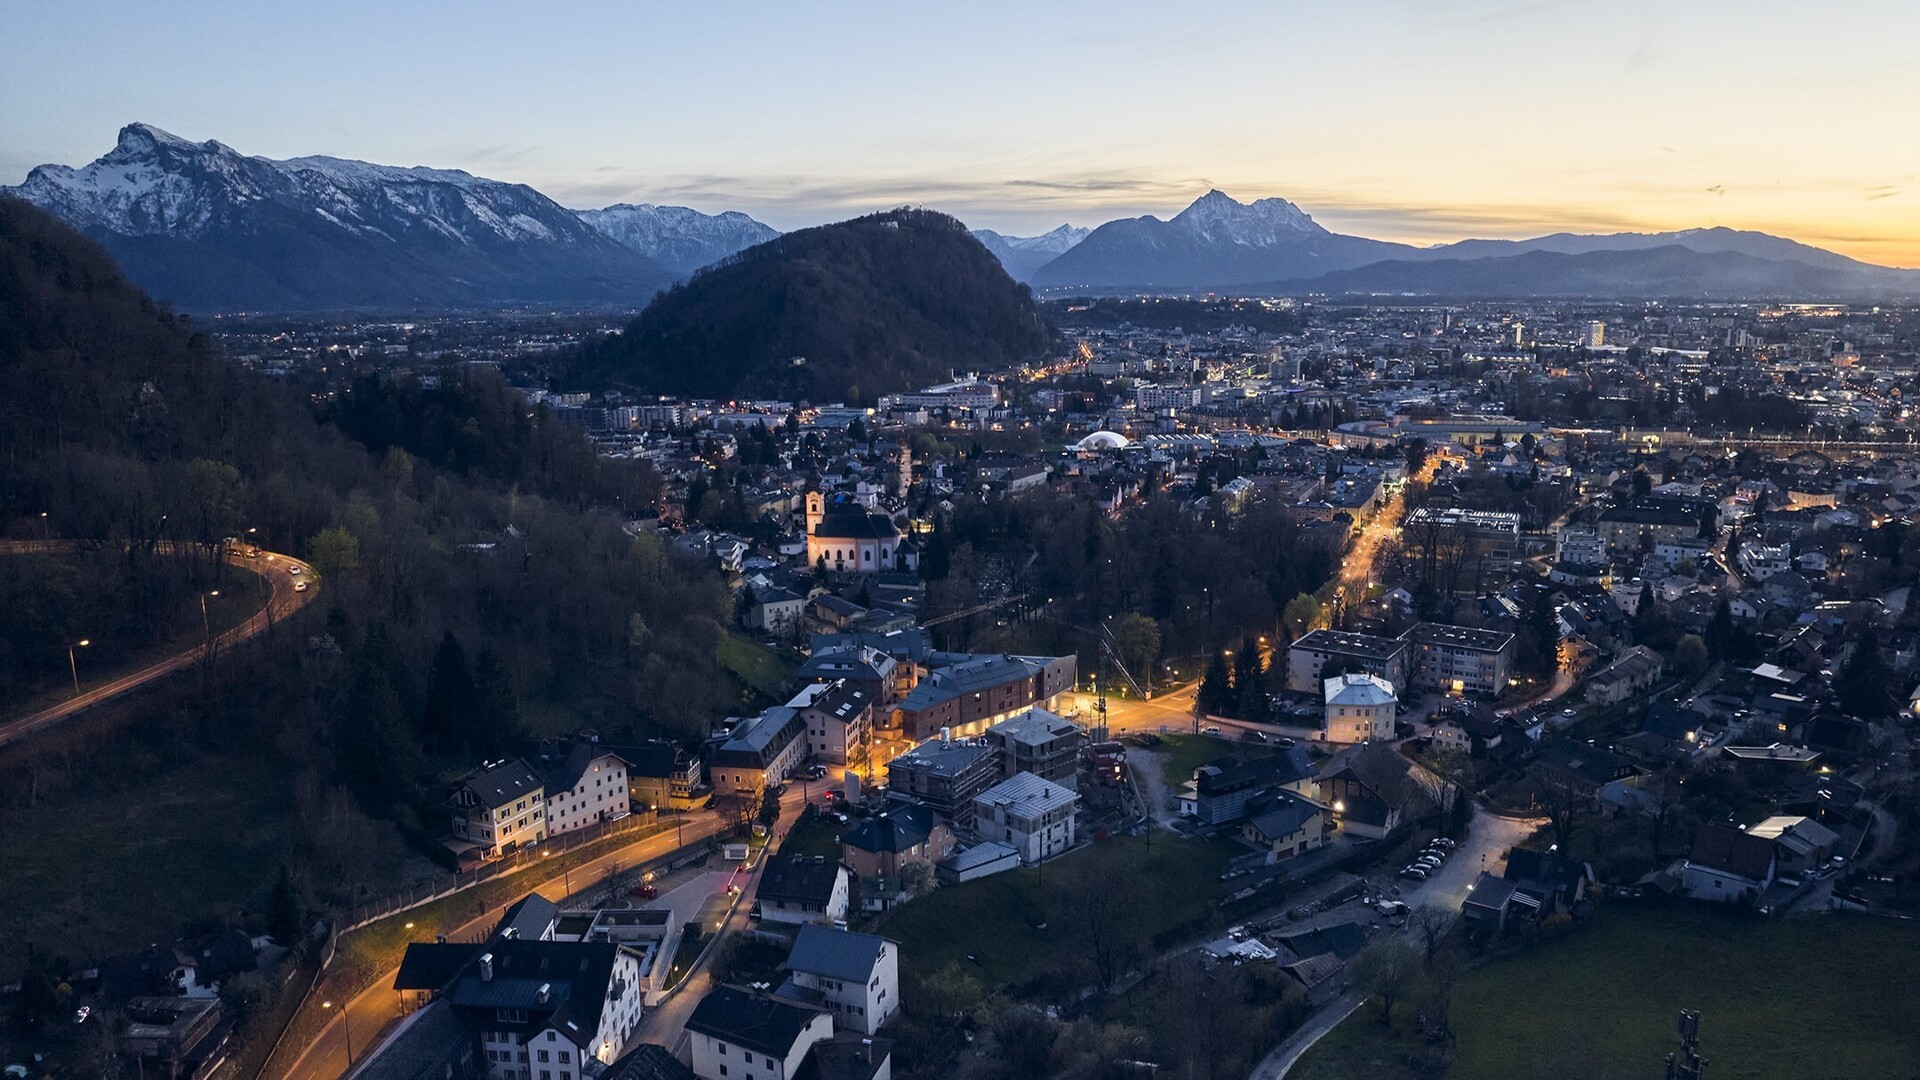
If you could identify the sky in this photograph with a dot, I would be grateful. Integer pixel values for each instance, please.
(1412, 121)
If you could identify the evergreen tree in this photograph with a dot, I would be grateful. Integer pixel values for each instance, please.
(496, 703)
(450, 697)
(1215, 695)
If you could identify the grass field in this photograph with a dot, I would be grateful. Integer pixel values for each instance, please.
(118, 869)
(814, 834)
(1814, 998)
(1181, 754)
(999, 919)
(756, 667)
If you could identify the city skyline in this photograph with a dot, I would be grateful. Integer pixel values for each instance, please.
(1411, 122)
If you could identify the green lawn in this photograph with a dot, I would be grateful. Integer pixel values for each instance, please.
(755, 666)
(118, 869)
(1184, 753)
(814, 834)
(1000, 919)
(1813, 997)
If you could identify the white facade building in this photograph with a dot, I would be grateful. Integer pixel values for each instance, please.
(1031, 815)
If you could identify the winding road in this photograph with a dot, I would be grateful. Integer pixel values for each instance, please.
(282, 573)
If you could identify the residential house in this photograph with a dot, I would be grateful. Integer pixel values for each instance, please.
(859, 665)
(1032, 815)
(1800, 843)
(797, 889)
(498, 808)
(1635, 671)
(776, 611)
(854, 977)
(1532, 886)
(882, 845)
(661, 774)
(1359, 708)
(563, 1008)
(1224, 791)
(1728, 865)
(1286, 825)
(1581, 771)
(584, 784)
(736, 1034)
(1370, 789)
(839, 719)
(757, 752)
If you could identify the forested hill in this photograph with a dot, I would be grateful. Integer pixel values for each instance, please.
(846, 311)
(123, 425)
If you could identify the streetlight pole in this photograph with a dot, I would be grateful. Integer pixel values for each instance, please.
(346, 1026)
(73, 664)
(205, 623)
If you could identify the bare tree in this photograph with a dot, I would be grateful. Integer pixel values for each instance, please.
(1429, 927)
(1385, 969)
(1106, 920)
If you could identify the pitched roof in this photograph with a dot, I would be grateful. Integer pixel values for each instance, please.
(755, 1021)
(431, 965)
(900, 827)
(1029, 792)
(845, 1057)
(1284, 816)
(1034, 727)
(503, 783)
(1727, 849)
(837, 954)
(560, 984)
(806, 878)
(1359, 689)
(648, 1061)
(528, 919)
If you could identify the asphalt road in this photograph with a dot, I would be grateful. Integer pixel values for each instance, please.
(283, 601)
(1485, 849)
(376, 1008)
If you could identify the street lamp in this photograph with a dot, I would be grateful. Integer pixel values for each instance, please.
(346, 1028)
(74, 664)
(205, 624)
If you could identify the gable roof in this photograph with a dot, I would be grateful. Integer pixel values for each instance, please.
(573, 976)
(529, 919)
(900, 827)
(837, 954)
(754, 1021)
(809, 879)
(1284, 816)
(501, 784)
(1727, 849)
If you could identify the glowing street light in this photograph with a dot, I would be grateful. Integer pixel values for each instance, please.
(346, 1027)
(74, 665)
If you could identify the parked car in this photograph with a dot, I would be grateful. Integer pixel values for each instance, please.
(1415, 873)
(299, 586)
(1445, 842)
(646, 890)
(294, 568)
(1210, 729)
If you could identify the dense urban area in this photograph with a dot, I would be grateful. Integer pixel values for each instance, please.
(1251, 687)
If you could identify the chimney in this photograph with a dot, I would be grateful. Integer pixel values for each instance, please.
(543, 994)
(486, 967)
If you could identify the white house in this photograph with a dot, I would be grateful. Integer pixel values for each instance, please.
(797, 889)
(1030, 814)
(738, 1035)
(855, 977)
(1360, 708)
(584, 787)
(1728, 865)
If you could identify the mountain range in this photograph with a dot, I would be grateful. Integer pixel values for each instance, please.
(207, 228)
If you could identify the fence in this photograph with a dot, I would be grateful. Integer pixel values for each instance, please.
(532, 855)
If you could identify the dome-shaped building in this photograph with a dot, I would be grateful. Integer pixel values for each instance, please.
(1102, 441)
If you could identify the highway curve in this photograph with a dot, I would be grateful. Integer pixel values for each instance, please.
(283, 601)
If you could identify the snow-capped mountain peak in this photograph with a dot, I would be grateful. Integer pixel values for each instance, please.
(1051, 243)
(1218, 216)
(321, 231)
(677, 237)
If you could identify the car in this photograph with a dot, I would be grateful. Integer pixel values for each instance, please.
(80, 1014)
(1414, 873)
(1446, 842)
(1390, 907)
(1429, 865)
(1210, 729)
(1285, 743)
(299, 586)
(646, 890)
(294, 569)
